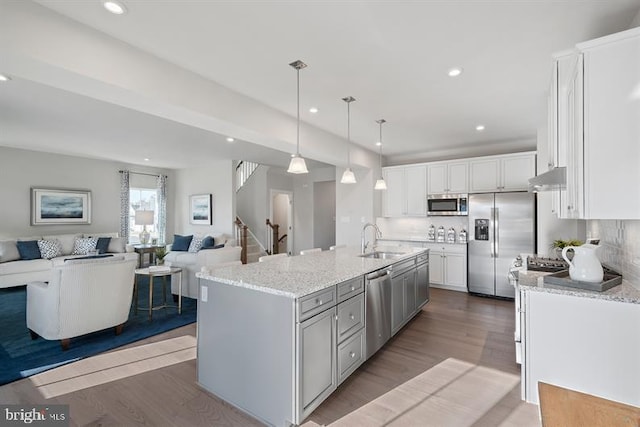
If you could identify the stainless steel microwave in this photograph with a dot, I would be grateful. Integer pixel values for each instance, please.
(447, 204)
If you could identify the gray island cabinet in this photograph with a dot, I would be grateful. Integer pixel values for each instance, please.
(275, 339)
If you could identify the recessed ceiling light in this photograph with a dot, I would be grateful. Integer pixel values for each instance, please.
(146, 159)
(313, 110)
(114, 7)
(480, 128)
(455, 72)
(229, 139)
(4, 78)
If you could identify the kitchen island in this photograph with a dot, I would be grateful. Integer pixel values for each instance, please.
(276, 338)
(578, 339)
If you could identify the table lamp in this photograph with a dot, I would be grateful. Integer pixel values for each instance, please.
(144, 218)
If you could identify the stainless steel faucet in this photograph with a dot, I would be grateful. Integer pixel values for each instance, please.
(363, 245)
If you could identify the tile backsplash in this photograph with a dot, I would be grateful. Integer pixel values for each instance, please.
(619, 245)
(417, 228)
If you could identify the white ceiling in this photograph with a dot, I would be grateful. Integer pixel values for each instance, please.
(392, 56)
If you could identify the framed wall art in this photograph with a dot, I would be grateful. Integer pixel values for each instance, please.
(201, 209)
(60, 206)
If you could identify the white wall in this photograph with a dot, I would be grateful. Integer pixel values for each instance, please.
(324, 218)
(356, 204)
(216, 179)
(252, 202)
(21, 169)
(303, 206)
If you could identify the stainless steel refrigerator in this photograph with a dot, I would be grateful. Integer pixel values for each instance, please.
(501, 226)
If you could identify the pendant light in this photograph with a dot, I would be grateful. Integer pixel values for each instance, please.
(348, 177)
(297, 164)
(380, 184)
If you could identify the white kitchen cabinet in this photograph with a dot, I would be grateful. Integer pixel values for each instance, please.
(406, 194)
(448, 177)
(501, 173)
(581, 343)
(607, 161)
(448, 266)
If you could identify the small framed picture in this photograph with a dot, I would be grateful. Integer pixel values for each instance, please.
(60, 206)
(201, 209)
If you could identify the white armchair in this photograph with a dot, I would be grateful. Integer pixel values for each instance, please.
(82, 296)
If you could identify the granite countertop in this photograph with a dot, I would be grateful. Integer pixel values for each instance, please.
(300, 275)
(625, 292)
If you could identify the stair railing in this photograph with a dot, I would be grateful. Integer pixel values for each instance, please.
(244, 170)
(272, 238)
(241, 237)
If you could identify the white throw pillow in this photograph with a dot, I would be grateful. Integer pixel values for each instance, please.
(9, 251)
(196, 244)
(50, 248)
(84, 245)
(117, 245)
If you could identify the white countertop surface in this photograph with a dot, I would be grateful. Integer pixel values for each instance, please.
(625, 292)
(300, 275)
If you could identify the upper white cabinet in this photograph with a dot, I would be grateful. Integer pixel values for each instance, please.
(597, 129)
(448, 177)
(501, 173)
(406, 193)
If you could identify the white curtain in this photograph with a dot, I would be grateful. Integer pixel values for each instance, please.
(124, 205)
(161, 186)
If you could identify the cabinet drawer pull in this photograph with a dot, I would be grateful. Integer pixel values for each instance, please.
(351, 316)
(353, 288)
(352, 354)
(319, 301)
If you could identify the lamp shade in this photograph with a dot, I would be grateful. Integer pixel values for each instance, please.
(297, 165)
(380, 185)
(144, 217)
(348, 177)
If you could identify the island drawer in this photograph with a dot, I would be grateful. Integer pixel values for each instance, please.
(315, 303)
(349, 288)
(350, 317)
(350, 355)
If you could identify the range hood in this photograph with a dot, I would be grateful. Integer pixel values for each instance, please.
(554, 179)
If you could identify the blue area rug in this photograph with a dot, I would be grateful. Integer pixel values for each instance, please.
(20, 356)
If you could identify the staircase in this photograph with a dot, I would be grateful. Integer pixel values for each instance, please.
(243, 171)
(251, 247)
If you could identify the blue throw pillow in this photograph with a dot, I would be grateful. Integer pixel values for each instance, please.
(103, 245)
(208, 243)
(28, 249)
(221, 245)
(181, 243)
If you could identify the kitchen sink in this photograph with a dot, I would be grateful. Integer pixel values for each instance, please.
(382, 255)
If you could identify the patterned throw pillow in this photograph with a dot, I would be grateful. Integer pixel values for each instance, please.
(196, 244)
(50, 248)
(84, 245)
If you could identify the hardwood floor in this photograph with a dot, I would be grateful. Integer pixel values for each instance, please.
(453, 364)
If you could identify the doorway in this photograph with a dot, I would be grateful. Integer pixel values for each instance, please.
(281, 213)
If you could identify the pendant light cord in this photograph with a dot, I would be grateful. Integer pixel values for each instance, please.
(298, 116)
(349, 134)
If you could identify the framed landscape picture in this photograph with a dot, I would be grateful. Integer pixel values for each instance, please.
(201, 209)
(60, 206)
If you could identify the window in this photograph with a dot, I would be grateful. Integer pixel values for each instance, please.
(142, 199)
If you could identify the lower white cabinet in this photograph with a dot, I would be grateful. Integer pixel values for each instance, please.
(448, 266)
(585, 344)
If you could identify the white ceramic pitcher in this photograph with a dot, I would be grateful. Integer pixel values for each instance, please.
(585, 265)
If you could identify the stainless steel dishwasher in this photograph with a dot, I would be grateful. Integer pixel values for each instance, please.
(378, 309)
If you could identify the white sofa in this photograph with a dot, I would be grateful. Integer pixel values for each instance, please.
(82, 296)
(16, 272)
(192, 262)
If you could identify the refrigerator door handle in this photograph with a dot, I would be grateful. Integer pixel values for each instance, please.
(496, 233)
(492, 228)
